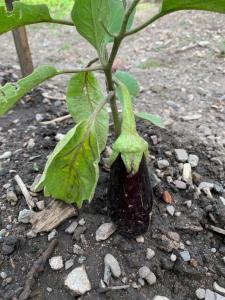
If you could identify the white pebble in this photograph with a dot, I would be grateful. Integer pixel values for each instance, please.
(56, 262)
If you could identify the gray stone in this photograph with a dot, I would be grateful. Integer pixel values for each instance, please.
(3, 275)
(140, 239)
(173, 257)
(56, 262)
(49, 290)
(200, 293)
(185, 255)
(31, 234)
(81, 259)
(222, 200)
(188, 203)
(71, 227)
(6, 155)
(39, 117)
(180, 184)
(77, 281)
(105, 231)
(150, 253)
(82, 222)
(59, 136)
(78, 250)
(160, 298)
(12, 198)
(25, 215)
(174, 236)
(34, 184)
(78, 232)
(151, 278)
(68, 264)
(52, 235)
(181, 155)
(204, 185)
(163, 164)
(187, 173)
(144, 272)
(7, 250)
(170, 209)
(193, 160)
(113, 264)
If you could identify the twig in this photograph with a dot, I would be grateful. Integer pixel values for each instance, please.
(57, 120)
(25, 192)
(91, 62)
(111, 288)
(46, 95)
(216, 229)
(37, 268)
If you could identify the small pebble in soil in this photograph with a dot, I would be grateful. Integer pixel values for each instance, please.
(218, 288)
(77, 281)
(180, 184)
(81, 222)
(6, 155)
(12, 198)
(170, 209)
(173, 257)
(49, 290)
(40, 205)
(163, 163)
(56, 262)
(3, 275)
(81, 259)
(188, 203)
(213, 250)
(111, 262)
(145, 273)
(150, 253)
(31, 234)
(181, 155)
(69, 263)
(187, 173)
(222, 200)
(141, 281)
(140, 239)
(6, 249)
(77, 250)
(200, 293)
(185, 255)
(160, 298)
(78, 232)
(52, 235)
(105, 231)
(59, 136)
(193, 160)
(25, 215)
(71, 228)
(39, 117)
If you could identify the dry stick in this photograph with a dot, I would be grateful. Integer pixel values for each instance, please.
(111, 288)
(37, 268)
(216, 229)
(57, 120)
(25, 192)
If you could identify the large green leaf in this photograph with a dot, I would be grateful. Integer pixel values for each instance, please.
(116, 17)
(130, 82)
(83, 96)
(72, 171)
(23, 14)
(169, 6)
(90, 17)
(10, 93)
(154, 119)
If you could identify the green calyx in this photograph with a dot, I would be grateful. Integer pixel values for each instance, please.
(129, 144)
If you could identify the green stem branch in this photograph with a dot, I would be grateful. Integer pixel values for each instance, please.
(90, 69)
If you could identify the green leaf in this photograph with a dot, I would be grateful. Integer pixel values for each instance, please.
(72, 171)
(154, 119)
(83, 96)
(169, 6)
(22, 14)
(130, 82)
(10, 94)
(90, 17)
(116, 18)
(129, 144)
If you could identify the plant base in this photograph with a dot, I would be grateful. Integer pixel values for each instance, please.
(130, 199)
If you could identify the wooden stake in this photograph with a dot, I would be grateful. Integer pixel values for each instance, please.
(22, 46)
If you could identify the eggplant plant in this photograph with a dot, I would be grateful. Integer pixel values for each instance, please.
(72, 170)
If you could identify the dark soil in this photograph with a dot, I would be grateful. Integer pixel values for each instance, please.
(177, 281)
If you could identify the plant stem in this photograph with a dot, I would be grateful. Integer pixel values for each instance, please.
(108, 68)
(142, 26)
(63, 22)
(97, 68)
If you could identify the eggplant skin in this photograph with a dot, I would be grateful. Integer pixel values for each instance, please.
(130, 198)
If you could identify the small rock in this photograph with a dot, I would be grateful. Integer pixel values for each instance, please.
(162, 164)
(193, 160)
(185, 255)
(12, 198)
(173, 257)
(170, 209)
(204, 185)
(180, 184)
(68, 264)
(2, 232)
(30, 144)
(77, 281)
(141, 281)
(78, 250)
(150, 253)
(39, 117)
(25, 215)
(113, 264)
(52, 235)
(59, 137)
(3, 275)
(40, 205)
(181, 155)
(177, 214)
(151, 278)
(6, 155)
(188, 203)
(49, 290)
(154, 139)
(218, 288)
(213, 250)
(160, 298)
(200, 293)
(174, 236)
(11, 240)
(71, 227)
(105, 231)
(78, 232)
(31, 234)
(82, 222)
(140, 239)
(187, 173)
(34, 184)
(222, 200)
(144, 272)
(7, 250)
(81, 259)
(218, 188)
(56, 262)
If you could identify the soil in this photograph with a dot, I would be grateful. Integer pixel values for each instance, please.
(182, 72)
